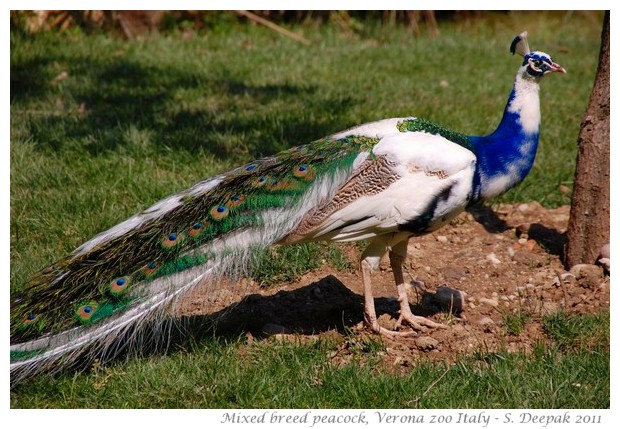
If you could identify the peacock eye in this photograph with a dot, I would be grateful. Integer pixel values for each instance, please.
(537, 63)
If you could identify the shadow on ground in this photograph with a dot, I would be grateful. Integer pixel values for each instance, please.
(98, 102)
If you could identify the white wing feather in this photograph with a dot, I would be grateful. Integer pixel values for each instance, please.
(427, 164)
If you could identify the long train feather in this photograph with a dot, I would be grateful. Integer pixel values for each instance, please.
(128, 276)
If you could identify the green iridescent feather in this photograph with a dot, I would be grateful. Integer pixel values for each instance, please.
(147, 253)
(424, 125)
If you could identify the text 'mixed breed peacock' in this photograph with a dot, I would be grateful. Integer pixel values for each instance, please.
(385, 181)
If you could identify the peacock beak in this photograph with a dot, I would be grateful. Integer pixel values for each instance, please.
(557, 68)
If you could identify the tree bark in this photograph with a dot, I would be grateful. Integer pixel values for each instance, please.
(588, 227)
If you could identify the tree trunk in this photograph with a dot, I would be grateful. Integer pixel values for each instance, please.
(588, 227)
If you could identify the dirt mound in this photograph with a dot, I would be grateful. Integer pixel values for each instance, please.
(505, 261)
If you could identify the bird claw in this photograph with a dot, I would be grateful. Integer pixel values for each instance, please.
(417, 323)
(378, 329)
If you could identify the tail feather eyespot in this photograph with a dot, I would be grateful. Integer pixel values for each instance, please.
(235, 200)
(219, 212)
(171, 240)
(119, 286)
(261, 181)
(196, 229)
(85, 312)
(150, 268)
(304, 171)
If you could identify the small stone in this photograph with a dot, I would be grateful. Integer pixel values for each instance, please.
(386, 321)
(493, 258)
(491, 302)
(444, 83)
(523, 229)
(523, 207)
(522, 241)
(449, 300)
(426, 343)
(605, 251)
(487, 324)
(442, 238)
(587, 275)
(511, 251)
(605, 263)
(604, 257)
(486, 321)
(567, 277)
(531, 244)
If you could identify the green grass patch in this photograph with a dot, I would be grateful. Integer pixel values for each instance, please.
(573, 332)
(515, 322)
(274, 374)
(285, 264)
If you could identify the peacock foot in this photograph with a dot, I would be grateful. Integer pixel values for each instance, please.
(417, 323)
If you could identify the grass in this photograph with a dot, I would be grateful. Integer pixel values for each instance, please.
(102, 128)
(287, 264)
(515, 322)
(277, 374)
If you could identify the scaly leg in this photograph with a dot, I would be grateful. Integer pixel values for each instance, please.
(370, 261)
(398, 254)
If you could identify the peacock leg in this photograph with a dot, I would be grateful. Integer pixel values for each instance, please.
(369, 262)
(370, 314)
(398, 254)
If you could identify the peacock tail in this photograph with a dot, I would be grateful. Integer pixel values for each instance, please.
(127, 275)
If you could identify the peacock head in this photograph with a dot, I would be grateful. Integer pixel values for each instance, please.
(535, 64)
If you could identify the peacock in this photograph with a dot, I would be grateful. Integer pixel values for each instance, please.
(385, 182)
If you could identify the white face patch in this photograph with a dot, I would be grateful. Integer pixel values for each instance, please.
(526, 104)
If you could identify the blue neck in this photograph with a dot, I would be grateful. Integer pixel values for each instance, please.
(505, 157)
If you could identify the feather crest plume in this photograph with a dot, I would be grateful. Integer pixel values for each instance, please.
(519, 45)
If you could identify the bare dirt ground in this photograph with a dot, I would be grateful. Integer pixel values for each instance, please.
(506, 261)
